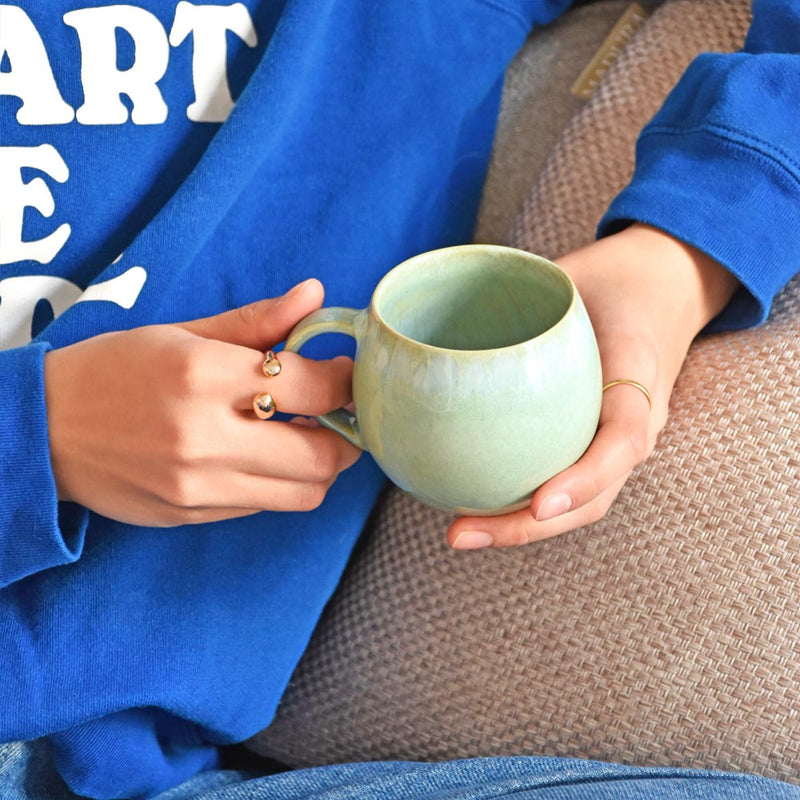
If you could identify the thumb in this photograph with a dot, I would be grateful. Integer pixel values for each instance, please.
(264, 323)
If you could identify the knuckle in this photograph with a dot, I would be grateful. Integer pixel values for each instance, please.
(638, 445)
(324, 461)
(310, 496)
(599, 509)
(182, 491)
(176, 516)
(344, 366)
(659, 423)
(520, 537)
(600, 513)
(593, 487)
(194, 516)
(606, 505)
(247, 314)
(172, 516)
(336, 390)
(328, 397)
(190, 369)
(516, 535)
(184, 447)
(352, 454)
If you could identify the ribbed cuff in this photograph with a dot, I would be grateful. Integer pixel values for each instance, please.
(726, 195)
(36, 531)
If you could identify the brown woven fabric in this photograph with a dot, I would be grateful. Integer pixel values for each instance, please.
(667, 633)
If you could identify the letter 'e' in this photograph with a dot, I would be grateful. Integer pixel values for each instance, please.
(16, 196)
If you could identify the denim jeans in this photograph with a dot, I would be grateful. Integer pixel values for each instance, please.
(27, 774)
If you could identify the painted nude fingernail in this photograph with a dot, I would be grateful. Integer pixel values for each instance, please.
(472, 540)
(554, 506)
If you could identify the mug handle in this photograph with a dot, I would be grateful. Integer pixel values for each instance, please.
(330, 320)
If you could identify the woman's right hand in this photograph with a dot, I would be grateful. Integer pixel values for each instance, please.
(154, 426)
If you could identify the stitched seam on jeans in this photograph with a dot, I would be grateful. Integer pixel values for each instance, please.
(657, 774)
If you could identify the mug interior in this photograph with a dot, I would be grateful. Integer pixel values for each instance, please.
(475, 297)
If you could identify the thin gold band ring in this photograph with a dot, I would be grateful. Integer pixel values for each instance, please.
(635, 384)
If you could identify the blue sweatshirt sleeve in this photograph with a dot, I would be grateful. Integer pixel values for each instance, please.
(719, 166)
(532, 12)
(36, 531)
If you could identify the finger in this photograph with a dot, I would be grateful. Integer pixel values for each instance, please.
(231, 375)
(264, 323)
(520, 527)
(171, 517)
(582, 493)
(622, 442)
(303, 386)
(288, 451)
(221, 494)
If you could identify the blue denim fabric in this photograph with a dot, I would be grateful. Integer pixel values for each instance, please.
(26, 773)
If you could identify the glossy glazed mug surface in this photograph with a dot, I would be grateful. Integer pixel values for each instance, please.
(476, 376)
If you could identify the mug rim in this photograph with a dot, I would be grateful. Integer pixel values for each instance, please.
(488, 248)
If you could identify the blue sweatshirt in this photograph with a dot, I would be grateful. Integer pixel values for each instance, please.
(165, 160)
(719, 165)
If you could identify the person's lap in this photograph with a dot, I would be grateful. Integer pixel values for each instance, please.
(27, 773)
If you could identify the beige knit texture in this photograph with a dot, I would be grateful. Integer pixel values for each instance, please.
(667, 633)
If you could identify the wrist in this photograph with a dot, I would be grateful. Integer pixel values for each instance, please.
(648, 295)
(697, 287)
(55, 401)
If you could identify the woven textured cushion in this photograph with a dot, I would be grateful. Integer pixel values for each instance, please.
(667, 633)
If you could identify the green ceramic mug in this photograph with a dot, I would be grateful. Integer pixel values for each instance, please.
(476, 377)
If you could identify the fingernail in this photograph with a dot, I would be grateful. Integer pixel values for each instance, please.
(554, 506)
(472, 540)
(299, 288)
(294, 291)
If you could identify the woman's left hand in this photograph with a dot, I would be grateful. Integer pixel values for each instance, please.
(648, 296)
